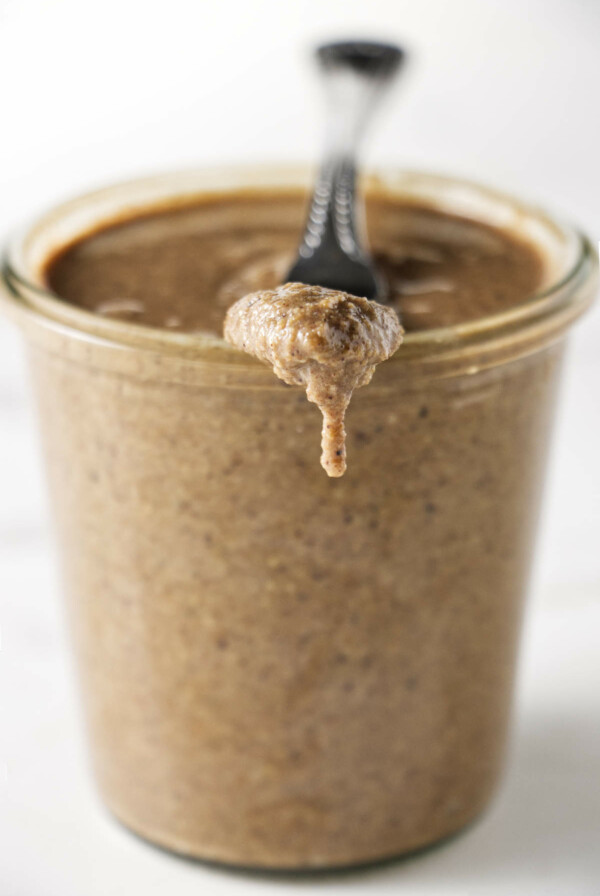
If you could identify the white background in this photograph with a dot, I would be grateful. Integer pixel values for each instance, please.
(506, 92)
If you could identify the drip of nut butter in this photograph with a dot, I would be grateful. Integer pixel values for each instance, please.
(325, 340)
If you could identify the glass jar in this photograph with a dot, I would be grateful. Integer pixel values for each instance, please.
(278, 669)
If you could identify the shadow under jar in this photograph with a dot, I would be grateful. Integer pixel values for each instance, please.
(280, 670)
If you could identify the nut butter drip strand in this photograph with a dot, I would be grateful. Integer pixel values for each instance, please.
(332, 401)
(327, 341)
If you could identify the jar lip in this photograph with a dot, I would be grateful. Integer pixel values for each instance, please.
(560, 294)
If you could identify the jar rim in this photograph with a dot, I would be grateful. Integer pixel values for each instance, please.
(559, 302)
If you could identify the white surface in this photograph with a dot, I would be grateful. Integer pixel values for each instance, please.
(503, 92)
